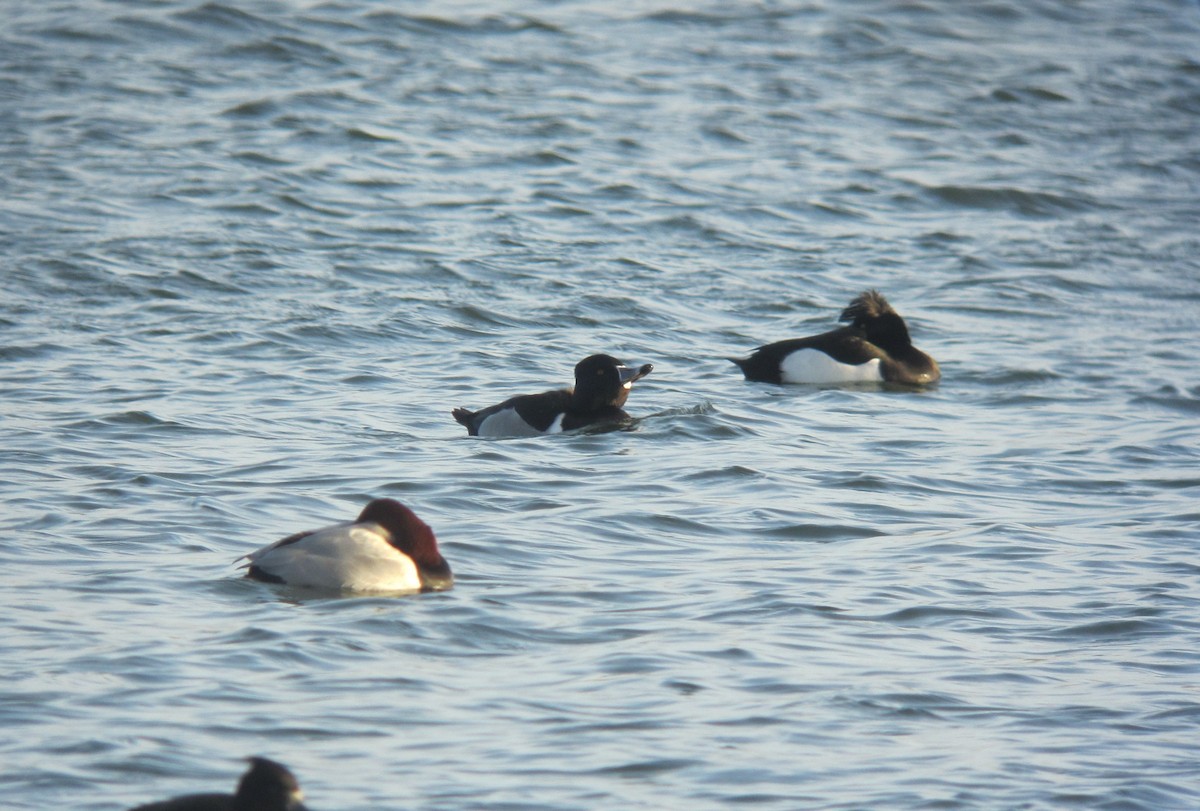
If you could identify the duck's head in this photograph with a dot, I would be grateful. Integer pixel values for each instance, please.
(269, 785)
(602, 381)
(413, 537)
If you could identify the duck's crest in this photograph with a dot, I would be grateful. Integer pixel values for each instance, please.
(868, 305)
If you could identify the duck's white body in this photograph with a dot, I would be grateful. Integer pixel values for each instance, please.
(508, 423)
(815, 366)
(352, 556)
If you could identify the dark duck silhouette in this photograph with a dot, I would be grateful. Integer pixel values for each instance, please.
(266, 786)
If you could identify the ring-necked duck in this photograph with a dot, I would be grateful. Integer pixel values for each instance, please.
(266, 786)
(874, 347)
(387, 548)
(602, 385)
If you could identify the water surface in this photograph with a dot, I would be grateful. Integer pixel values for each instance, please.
(253, 254)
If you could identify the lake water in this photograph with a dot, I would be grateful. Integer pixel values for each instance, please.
(253, 254)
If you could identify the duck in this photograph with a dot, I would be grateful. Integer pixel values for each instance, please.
(387, 548)
(602, 385)
(873, 347)
(266, 786)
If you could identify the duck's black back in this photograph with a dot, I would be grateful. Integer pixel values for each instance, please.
(192, 802)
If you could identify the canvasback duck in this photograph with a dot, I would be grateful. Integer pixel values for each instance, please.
(387, 548)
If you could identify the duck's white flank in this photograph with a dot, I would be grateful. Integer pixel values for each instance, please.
(814, 366)
(355, 557)
(508, 423)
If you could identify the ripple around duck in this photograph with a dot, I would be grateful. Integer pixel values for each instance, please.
(1030, 204)
(221, 16)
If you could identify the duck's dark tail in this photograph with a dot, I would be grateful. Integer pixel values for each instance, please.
(464, 416)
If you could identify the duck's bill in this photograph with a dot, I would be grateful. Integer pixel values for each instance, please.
(630, 373)
(437, 581)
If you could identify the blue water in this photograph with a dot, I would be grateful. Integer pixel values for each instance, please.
(254, 253)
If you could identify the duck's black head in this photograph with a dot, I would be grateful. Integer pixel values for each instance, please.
(268, 786)
(602, 381)
(883, 326)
